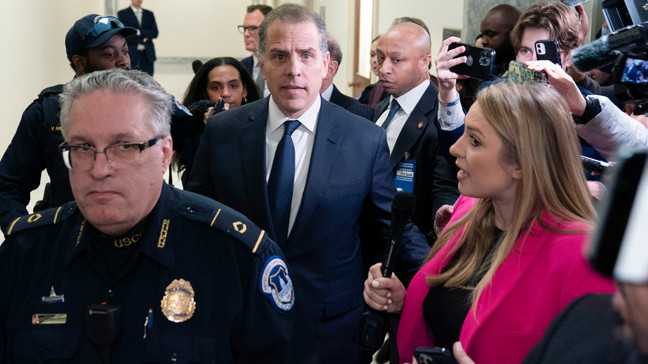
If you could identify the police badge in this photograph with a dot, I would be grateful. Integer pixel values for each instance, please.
(178, 303)
(277, 285)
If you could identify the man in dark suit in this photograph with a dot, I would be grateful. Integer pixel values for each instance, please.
(331, 93)
(330, 211)
(250, 30)
(409, 117)
(140, 46)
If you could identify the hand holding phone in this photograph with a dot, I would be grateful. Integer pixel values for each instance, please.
(480, 62)
(434, 355)
(518, 72)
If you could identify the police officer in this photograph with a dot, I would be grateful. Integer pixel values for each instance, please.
(93, 43)
(135, 270)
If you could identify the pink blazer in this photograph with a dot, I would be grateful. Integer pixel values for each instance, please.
(541, 275)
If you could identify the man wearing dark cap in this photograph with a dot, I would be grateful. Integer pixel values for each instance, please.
(93, 43)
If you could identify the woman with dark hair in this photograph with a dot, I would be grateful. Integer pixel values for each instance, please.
(220, 84)
(222, 78)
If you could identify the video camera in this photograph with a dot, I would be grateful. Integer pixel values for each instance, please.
(619, 247)
(626, 47)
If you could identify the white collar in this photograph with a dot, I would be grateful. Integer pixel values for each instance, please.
(326, 95)
(308, 119)
(408, 100)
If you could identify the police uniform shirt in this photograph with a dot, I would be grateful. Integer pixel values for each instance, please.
(194, 249)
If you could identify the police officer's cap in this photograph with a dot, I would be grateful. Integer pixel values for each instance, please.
(93, 30)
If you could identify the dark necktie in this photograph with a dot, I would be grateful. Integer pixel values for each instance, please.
(281, 181)
(393, 109)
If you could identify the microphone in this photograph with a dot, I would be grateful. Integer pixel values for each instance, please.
(594, 55)
(373, 325)
(402, 210)
(595, 165)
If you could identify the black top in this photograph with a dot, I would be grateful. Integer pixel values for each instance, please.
(575, 337)
(445, 309)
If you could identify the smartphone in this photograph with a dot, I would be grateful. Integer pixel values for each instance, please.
(435, 355)
(548, 50)
(518, 72)
(619, 246)
(480, 62)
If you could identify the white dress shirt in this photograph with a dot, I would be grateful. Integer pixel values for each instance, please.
(451, 117)
(407, 104)
(326, 95)
(138, 15)
(303, 139)
(256, 73)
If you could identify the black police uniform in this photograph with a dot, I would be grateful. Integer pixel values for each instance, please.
(34, 148)
(245, 308)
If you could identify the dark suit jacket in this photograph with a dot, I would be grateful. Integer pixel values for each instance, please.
(351, 104)
(344, 215)
(148, 30)
(435, 177)
(586, 331)
(248, 64)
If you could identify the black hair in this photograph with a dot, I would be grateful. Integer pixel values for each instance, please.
(264, 9)
(197, 89)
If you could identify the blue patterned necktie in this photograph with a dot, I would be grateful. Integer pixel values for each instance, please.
(393, 109)
(281, 181)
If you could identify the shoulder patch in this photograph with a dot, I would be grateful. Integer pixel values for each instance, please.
(275, 283)
(223, 218)
(180, 109)
(51, 216)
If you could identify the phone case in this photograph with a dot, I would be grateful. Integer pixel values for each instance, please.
(480, 63)
(548, 50)
(434, 355)
(519, 73)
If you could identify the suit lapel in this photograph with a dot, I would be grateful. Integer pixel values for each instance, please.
(414, 126)
(380, 109)
(253, 144)
(131, 15)
(325, 149)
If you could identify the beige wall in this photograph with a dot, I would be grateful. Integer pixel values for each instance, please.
(437, 14)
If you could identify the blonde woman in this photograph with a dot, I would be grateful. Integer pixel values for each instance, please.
(511, 256)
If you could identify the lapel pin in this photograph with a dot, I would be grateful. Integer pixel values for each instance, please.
(53, 297)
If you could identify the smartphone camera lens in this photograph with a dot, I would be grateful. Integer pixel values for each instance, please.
(484, 59)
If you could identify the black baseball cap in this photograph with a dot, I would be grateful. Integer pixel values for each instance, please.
(93, 30)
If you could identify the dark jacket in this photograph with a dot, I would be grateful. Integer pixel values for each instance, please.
(245, 308)
(34, 148)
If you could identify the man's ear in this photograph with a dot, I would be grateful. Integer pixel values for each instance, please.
(261, 64)
(426, 62)
(167, 152)
(332, 69)
(79, 63)
(567, 60)
(326, 61)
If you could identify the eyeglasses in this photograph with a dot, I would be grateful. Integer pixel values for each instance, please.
(101, 25)
(250, 28)
(82, 157)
